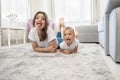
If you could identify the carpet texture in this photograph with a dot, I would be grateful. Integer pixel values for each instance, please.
(22, 63)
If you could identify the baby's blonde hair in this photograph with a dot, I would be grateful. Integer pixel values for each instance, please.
(68, 27)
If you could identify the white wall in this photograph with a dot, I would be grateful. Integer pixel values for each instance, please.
(42, 5)
(0, 22)
(102, 7)
(35, 6)
(48, 7)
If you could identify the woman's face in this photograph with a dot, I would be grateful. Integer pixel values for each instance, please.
(68, 36)
(40, 21)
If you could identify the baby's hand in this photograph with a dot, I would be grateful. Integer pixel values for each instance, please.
(67, 51)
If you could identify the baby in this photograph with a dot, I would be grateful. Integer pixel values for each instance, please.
(70, 42)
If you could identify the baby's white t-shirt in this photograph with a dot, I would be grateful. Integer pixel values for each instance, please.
(33, 36)
(75, 43)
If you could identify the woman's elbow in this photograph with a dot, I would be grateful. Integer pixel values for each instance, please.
(75, 51)
(34, 49)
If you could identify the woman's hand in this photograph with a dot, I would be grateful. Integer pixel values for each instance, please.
(52, 46)
(51, 49)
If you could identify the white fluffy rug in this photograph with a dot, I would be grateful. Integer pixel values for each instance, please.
(22, 63)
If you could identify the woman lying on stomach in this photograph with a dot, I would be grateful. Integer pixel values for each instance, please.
(42, 37)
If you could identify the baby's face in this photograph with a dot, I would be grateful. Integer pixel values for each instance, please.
(68, 36)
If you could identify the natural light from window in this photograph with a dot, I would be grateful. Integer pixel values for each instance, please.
(14, 8)
(74, 11)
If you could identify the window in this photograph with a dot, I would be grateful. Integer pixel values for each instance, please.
(74, 11)
(16, 7)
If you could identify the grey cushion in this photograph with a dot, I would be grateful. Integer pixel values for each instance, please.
(88, 37)
(110, 5)
(106, 34)
(101, 32)
(88, 33)
(114, 35)
(87, 28)
(101, 39)
(101, 25)
(111, 22)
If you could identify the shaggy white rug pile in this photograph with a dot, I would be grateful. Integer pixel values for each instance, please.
(22, 63)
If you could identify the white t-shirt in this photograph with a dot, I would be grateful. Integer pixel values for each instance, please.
(75, 43)
(33, 36)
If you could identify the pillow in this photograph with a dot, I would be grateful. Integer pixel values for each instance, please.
(29, 25)
(51, 24)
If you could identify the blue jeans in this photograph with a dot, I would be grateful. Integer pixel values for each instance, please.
(59, 37)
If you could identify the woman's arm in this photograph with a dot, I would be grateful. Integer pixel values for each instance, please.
(51, 47)
(37, 48)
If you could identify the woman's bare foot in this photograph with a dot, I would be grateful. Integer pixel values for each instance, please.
(61, 23)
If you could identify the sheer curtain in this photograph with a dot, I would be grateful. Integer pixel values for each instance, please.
(97, 8)
(74, 11)
(14, 8)
(95, 11)
(0, 14)
(0, 22)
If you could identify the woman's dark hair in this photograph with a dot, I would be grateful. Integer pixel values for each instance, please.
(43, 35)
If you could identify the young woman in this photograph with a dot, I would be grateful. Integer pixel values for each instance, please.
(42, 37)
